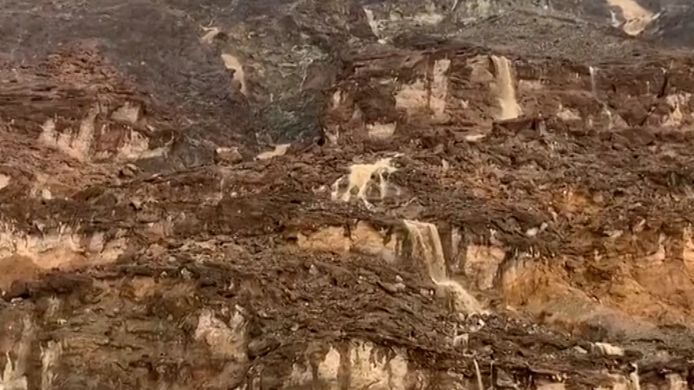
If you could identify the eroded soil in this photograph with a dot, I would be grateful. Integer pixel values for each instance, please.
(346, 195)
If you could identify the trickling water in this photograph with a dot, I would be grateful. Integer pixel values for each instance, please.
(426, 246)
(359, 179)
(593, 82)
(505, 89)
(613, 19)
(594, 90)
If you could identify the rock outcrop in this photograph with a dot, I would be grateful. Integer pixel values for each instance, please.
(346, 195)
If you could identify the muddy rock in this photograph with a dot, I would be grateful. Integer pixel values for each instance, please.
(346, 195)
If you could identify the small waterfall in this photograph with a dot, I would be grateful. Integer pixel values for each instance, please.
(505, 89)
(361, 176)
(373, 23)
(593, 83)
(426, 246)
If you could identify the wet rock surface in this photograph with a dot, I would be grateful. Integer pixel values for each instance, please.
(333, 195)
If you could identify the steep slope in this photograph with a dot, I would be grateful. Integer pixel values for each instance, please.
(345, 195)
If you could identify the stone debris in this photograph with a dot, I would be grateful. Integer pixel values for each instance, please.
(469, 195)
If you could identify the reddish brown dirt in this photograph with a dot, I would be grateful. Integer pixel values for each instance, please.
(143, 245)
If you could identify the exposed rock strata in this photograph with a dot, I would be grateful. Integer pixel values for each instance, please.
(388, 196)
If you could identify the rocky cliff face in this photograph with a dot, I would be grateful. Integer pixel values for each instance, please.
(346, 195)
